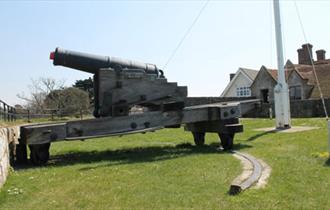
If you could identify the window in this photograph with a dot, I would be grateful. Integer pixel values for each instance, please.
(243, 92)
(295, 92)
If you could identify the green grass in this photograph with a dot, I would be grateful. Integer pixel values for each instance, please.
(163, 171)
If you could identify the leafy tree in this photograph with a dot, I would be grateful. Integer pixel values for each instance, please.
(86, 85)
(69, 101)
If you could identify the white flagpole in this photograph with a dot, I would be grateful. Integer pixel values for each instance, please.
(281, 92)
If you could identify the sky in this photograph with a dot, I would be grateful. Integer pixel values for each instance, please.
(226, 36)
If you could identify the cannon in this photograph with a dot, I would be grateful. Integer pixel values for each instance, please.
(120, 86)
(92, 63)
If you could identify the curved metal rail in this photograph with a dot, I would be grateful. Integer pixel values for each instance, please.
(236, 187)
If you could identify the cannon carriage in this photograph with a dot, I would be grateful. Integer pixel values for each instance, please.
(119, 86)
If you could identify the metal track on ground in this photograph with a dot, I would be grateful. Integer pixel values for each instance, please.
(236, 188)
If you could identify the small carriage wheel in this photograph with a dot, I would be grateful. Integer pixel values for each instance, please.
(199, 138)
(227, 140)
(39, 154)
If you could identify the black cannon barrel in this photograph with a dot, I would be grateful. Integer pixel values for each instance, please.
(91, 63)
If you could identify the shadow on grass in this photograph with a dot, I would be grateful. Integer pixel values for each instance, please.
(252, 138)
(327, 163)
(133, 155)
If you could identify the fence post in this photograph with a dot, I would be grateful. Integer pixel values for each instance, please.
(7, 113)
(14, 114)
(11, 114)
(4, 112)
(1, 112)
(28, 115)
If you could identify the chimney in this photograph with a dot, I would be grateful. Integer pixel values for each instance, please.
(308, 52)
(320, 55)
(231, 76)
(301, 56)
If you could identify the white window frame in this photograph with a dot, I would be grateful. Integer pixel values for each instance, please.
(243, 92)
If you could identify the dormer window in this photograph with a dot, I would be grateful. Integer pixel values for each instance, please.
(243, 92)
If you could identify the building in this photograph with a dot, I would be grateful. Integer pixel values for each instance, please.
(300, 77)
(264, 83)
(240, 82)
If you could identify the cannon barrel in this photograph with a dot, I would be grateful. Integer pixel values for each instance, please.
(91, 63)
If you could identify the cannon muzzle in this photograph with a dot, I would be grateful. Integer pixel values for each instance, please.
(91, 63)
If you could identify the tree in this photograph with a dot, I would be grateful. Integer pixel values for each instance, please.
(69, 101)
(86, 85)
(39, 89)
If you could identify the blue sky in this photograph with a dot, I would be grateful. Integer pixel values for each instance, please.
(228, 35)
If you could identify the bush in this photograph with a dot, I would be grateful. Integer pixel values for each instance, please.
(69, 101)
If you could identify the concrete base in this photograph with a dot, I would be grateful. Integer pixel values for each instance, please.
(293, 129)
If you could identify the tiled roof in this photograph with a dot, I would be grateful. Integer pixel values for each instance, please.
(323, 74)
(273, 73)
(306, 72)
(250, 73)
(326, 61)
(322, 70)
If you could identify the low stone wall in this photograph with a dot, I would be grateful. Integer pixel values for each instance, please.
(299, 108)
(8, 138)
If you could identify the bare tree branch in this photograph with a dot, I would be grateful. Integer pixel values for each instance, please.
(39, 89)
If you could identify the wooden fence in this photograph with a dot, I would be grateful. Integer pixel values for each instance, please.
(30, 114)
(7, 113)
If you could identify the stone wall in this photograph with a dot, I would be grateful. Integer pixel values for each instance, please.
(8, 138)
(299, 108)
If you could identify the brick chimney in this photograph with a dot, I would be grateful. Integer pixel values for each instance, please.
(232, 76)
(320, 55)
(303, 54)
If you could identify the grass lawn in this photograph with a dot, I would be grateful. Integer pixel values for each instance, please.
(162, 170)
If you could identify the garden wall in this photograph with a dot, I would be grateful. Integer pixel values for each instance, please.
(8, 137)
(298, 108)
